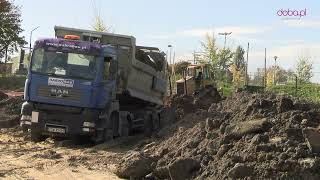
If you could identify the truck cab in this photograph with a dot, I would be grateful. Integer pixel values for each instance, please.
(69, 88)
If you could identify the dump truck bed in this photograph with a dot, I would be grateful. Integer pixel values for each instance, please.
(141, 69)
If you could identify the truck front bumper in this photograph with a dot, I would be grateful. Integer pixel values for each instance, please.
(64, 123)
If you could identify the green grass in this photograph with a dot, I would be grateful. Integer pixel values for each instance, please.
(228, 89)
(307, 91)
(12, 82)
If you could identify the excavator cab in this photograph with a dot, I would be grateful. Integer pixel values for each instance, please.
(196, 77)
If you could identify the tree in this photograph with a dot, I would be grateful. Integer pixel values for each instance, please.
(210, 51)
(278, 75)
(237, 76)
(238, 67)
(238, 58)
(10, 27)
(304, 69)
(181, 66)
(219, 60)
(99, 25)
(224, 59)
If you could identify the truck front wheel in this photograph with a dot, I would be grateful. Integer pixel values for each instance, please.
(37, 136)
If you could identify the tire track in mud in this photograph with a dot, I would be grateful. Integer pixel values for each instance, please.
(22, 159)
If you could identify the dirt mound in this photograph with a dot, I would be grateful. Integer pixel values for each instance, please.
(3, 95)
(12, 105)
(185, 104)
(10, 111)
(245, 136)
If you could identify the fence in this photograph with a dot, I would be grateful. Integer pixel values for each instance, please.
(287, 84)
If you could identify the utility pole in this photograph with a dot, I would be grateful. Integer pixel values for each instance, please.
(31, 40)
(225, 34)
(265, 68)
(170, 83)
(170, 46)
(173, 63)
(274, 71)
(173, 70)
(246, 83)
(194, 57)
(167, 56)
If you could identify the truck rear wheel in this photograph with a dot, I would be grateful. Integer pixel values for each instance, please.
(156, 121)
(115, 123)
(37, 136)
(126, 126)
(148, 125)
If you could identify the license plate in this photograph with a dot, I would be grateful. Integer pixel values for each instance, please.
(56, 130)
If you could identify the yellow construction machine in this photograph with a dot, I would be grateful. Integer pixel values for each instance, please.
(195, 78)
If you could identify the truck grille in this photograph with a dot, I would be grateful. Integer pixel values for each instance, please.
(59, 93)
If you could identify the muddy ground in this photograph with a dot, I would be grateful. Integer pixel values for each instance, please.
(22, 159)
(57, 158)
(53, 158)
(245, 136)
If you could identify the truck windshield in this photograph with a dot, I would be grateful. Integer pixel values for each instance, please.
(71, 65)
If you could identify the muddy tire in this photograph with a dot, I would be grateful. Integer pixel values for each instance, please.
(148, 125)
(156, 121)
(37, 136)
(107, 135)
(115, 123)
(24, 129)
(126, 127)
(112, 129)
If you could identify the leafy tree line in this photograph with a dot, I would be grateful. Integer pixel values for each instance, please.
(226, 66)
(277, 75)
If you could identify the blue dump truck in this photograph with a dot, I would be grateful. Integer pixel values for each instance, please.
(94, 84)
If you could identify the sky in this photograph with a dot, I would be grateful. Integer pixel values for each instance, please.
(184, 24)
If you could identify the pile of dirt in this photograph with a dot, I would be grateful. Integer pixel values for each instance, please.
(185, 104)
(12, 105)
(10, 108)
(3, 96)
(255, 136)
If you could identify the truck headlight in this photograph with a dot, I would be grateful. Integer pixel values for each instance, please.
(89, 124)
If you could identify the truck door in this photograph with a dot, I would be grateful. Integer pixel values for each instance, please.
(107, 85)
(109, 76)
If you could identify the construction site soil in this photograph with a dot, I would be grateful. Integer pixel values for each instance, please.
(246, 136)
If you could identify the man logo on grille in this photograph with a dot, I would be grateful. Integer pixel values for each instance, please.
(59, 92)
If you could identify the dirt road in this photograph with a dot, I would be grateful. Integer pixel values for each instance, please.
(52, 159)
